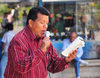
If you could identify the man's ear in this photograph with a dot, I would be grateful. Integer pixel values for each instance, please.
(30, 23)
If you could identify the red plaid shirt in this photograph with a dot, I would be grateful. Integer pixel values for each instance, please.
(26, 59)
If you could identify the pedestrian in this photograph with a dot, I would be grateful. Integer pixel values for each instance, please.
(24, 18)
(31, 54)
(16, 16)
(7, 37)
(4, 23)
(59, 24)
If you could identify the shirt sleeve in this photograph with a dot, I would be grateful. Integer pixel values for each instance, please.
(80, 52)
(65, 44)
(55, 63)
(23, 60)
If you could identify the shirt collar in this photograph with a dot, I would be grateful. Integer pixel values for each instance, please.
(30, 33)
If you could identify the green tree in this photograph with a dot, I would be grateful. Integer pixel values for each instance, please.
(3, 8)
(97, 6)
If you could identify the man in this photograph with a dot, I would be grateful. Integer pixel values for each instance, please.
(78, 59)
(30, 53)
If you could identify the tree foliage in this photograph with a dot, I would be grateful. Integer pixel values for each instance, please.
(97, 6)
(3, 8)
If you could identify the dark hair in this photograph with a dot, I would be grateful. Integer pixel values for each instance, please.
(5, 14)
(9, 26)
(34, 11)
(8, 12)
(24, 13)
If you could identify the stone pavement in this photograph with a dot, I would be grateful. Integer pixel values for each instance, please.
(92, 70)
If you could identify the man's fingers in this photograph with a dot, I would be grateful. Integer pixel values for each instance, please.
(71, 56)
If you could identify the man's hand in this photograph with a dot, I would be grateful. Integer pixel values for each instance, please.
(45, 44)
(71, 56)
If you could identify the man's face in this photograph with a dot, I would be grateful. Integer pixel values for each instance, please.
(40, 25)
(73, 36)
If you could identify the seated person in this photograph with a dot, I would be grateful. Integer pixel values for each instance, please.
(78, 59)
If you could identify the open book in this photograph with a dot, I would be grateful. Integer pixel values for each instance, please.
(78, 42)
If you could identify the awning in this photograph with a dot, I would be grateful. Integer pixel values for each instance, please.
(61, 0)
(9, 1)
(16, 1)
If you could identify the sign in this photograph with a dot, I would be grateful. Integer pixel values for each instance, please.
(14, 1)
